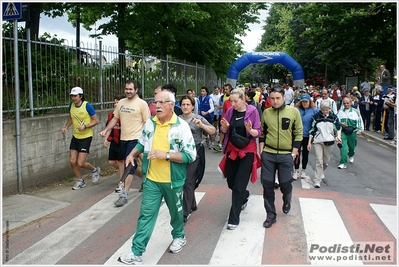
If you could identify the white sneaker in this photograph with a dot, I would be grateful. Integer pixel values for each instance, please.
(79, 184)
(295, 175)
(120, 187)
(303, 174)
(96, 175)
(323, 176)
(351, 159)
(341, 166)
(131, 259)
(231, 226)
(178, 244)
(316, 185)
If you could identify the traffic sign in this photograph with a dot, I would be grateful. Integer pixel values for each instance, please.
(12, 11)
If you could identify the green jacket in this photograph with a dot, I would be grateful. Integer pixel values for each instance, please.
(281, 129)
(180, 140)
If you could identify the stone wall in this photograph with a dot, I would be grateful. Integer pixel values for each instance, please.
(45, 151)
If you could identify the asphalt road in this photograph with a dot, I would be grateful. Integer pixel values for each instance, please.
(90, 230)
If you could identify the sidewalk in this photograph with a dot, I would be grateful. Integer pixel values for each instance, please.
(22, 209)
(378, 138)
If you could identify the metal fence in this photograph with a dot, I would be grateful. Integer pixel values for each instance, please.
(99, 69)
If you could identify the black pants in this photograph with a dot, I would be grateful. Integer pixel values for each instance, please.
(238, 173)
(377, 118)
(271, 163)
(366, 115)
(189, 201)
(305, 154)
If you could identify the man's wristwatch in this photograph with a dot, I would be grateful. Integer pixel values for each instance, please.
(167, 156)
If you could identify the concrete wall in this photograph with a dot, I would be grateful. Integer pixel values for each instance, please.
(45, 151)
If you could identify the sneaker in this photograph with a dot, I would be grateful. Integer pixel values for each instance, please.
(231, 226)
(218, 148)
(295, 175)
(341, 166)
(323, 176)
(177, 244)
(141, 188)
(121, 201)
(286, 207)
(120, 187)
(351, 159)
(130, 259)
(79, 184)
(269, 222)
(243, 206)
(96, 175)
(211, 146)
(303, 174)
(316, 185)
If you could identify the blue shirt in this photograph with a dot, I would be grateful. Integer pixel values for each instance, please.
(306, 116)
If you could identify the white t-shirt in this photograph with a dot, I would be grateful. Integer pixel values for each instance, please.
(289, 95)
(216, 99)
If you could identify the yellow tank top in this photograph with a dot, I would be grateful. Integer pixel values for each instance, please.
(80, 116)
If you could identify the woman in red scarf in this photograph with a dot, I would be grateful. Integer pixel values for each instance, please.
(241, 126)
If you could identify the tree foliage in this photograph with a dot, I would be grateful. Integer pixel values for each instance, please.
(197, 32)
(346, 38)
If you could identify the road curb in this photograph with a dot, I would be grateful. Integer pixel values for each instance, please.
(379, 139)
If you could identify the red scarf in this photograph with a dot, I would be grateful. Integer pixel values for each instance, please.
(241, 153)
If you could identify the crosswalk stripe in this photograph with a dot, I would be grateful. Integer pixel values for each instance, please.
(323, 224)
(59, 243)
(244, 245)
(306, 183)
(389, 216)
(159, 241)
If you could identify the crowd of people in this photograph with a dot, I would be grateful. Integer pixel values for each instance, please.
(163, 142)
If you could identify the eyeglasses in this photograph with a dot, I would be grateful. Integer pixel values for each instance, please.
(162, 102)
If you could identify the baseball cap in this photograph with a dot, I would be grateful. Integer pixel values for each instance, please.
(316, 94)
(305, 97)
(76, 91)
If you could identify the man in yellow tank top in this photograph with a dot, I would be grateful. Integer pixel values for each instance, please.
(83, 117)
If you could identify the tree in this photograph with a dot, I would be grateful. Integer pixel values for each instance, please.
(352, 33)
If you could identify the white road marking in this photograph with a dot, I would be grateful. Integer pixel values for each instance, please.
(389, 216)
(159, 241)
(243, 245)
(63, 240)
(324, 227)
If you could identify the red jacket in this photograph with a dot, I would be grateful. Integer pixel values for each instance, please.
(241, 153)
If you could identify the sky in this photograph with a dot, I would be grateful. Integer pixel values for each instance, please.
(63, 29)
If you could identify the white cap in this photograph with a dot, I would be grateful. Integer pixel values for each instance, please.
(76, 91)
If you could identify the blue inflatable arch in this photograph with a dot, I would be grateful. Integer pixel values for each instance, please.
(266, 58)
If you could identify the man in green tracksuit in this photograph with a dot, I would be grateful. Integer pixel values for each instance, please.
(352, 126)
(168, 146)
(279, 143)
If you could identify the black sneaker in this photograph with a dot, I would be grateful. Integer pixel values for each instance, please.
(286, 207)
(269, 222)
(141, 188)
